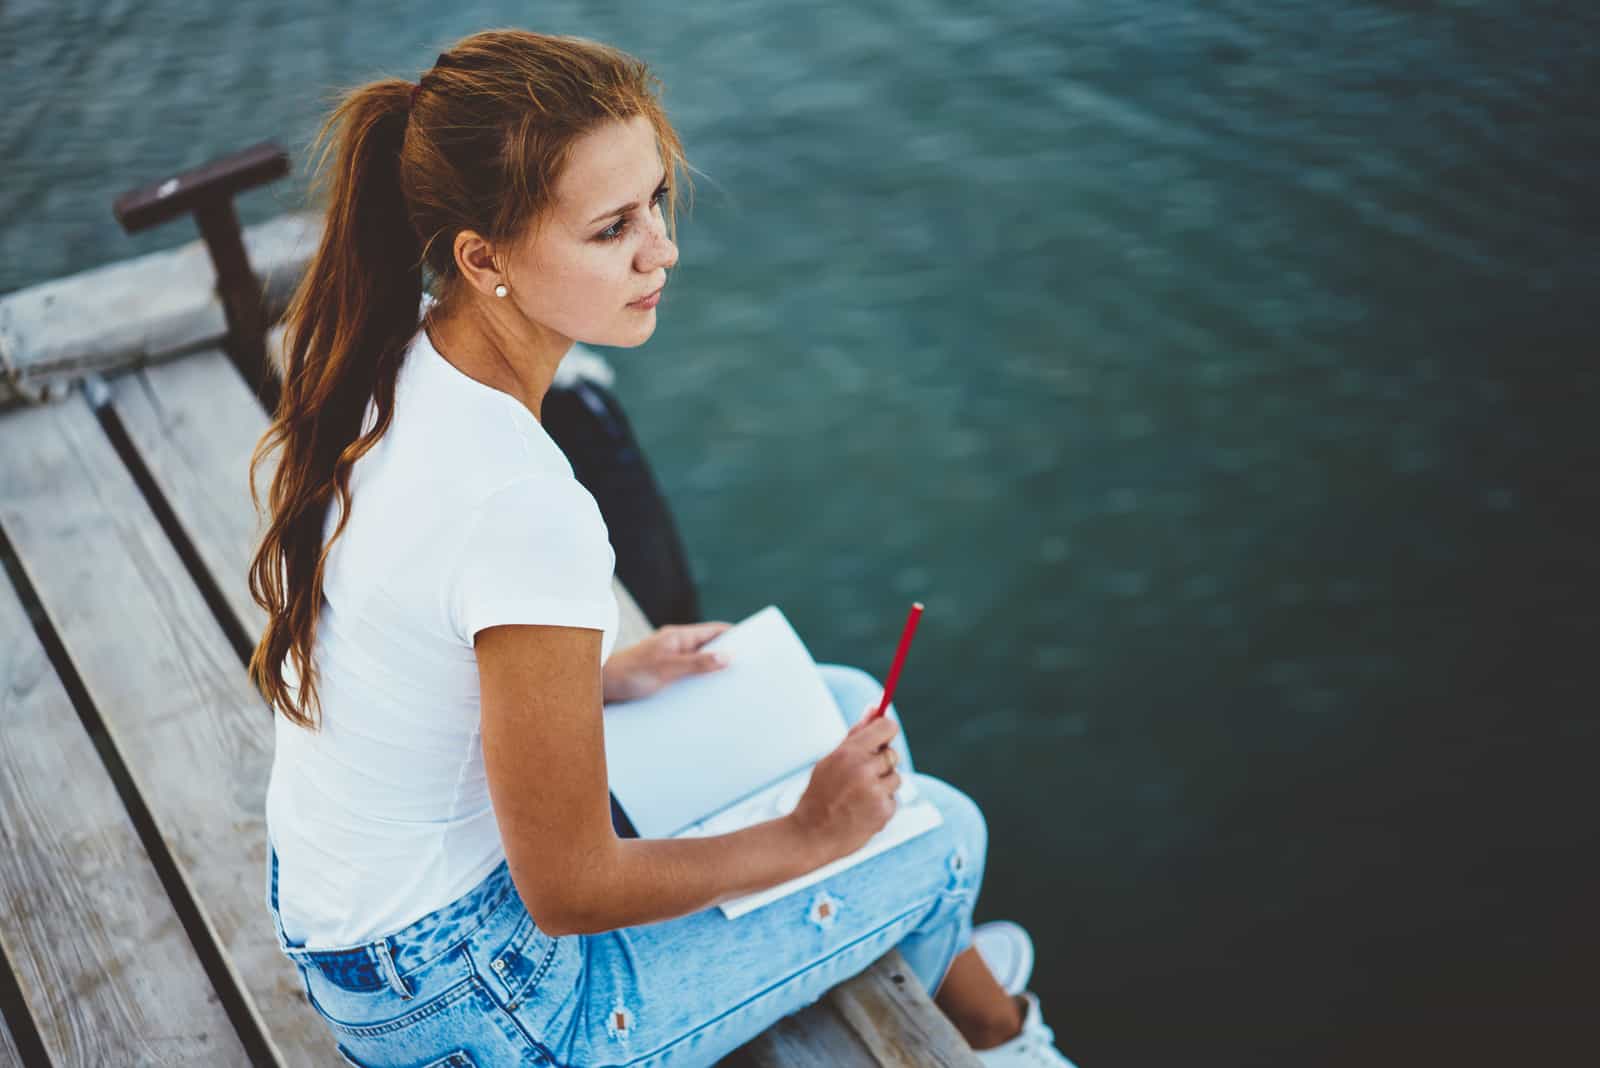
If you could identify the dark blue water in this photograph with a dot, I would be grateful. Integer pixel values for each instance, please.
(1224, 379)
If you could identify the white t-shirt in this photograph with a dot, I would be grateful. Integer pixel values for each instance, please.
(465, 515)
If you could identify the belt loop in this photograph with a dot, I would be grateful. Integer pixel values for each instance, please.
(386, 966)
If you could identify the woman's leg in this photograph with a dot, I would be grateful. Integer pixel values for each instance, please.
(690, 990)
(978, 1005)
(968, 993)
(854, 691)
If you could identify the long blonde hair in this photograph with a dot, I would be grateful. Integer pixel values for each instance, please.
(476, 144)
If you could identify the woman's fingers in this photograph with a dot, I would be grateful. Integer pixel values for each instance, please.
(680, 646)
(691, 636)
(683, 665)
(711, 661)
(878, 733)
(872, 706)
(866, 716)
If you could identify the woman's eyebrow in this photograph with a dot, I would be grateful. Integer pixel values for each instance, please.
(626, 207)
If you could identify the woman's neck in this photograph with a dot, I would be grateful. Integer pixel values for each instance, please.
(501, 349)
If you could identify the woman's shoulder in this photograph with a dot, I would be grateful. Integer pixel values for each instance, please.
(548, 503)
(474, 437)
(518, 467)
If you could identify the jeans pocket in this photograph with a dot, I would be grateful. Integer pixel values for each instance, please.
(371, 1018)
(531, 960)
(457, 1027)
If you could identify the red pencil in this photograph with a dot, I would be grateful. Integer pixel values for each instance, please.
(899, 660)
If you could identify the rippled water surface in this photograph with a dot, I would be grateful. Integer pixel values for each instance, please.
(1223, 378)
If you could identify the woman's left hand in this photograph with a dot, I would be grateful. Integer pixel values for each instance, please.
(671, 653)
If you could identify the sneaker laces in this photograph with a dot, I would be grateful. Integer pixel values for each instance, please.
(1041, 1045)
(1038, 1042)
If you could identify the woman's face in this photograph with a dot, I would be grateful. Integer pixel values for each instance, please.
(592, 267)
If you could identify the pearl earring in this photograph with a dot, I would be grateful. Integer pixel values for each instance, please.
(501, 290)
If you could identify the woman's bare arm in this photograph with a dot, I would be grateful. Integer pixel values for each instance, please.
(544, 751)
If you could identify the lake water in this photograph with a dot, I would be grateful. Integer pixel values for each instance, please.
(1222, 377)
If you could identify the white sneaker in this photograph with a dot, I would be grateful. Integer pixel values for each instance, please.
(1008, 951)
(1034, 1047)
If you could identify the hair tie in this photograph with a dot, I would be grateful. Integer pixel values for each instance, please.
(415, 89)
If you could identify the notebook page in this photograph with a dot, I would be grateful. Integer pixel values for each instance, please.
(705, 742)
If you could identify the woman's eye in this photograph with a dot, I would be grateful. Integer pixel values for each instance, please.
(618, 228)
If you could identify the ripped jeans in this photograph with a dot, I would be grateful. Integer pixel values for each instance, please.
(476, 984)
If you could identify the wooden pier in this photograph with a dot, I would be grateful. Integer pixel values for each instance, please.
(134, 750)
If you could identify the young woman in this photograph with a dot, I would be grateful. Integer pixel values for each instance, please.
(442, 863)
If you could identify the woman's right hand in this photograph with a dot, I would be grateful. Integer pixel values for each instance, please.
(851, 794)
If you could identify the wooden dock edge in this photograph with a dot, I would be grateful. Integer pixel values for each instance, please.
(137, 312)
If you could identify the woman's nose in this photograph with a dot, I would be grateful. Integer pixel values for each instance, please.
(659, 252)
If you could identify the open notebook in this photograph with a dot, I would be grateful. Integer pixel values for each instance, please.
(714, 753)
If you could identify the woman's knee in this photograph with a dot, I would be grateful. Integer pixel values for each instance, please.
(962, 840)
(964, 826)
(853, 689)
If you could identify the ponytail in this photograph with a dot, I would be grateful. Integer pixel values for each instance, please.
(346, 328)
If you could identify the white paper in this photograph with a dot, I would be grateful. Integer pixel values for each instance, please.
(705, 742)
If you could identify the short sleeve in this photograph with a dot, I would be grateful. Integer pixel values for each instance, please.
(535, 551)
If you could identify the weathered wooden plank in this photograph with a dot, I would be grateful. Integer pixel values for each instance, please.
(178, 707)
(137, 311)
(99, 954)
(195, 424)
(872, 1020)
(897, 1020)
(813, 1038)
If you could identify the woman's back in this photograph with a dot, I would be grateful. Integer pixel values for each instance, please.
(384, 814)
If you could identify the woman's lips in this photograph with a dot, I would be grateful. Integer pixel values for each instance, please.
(646, 303)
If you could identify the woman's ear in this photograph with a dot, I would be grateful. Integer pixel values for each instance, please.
(475, 259)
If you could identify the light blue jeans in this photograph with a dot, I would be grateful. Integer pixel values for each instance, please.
(477, 983)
